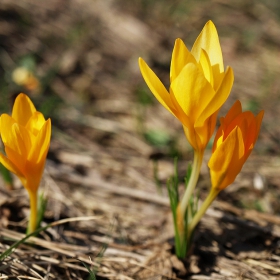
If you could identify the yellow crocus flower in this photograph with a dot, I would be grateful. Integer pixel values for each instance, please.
(198, 85)
(26, 137)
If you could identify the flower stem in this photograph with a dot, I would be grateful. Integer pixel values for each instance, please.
(206, 203)
(182, 206)
(197, 161)
(32, 226)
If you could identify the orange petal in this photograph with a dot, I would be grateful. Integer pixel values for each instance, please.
(227, 160)
(243, 121)
(10, 166)
(233, 112)
(23, 109)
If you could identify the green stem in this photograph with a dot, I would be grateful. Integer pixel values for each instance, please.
(182, 206)
(206, 203)
(32, 226)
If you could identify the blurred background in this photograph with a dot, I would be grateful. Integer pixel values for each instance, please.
(78, 61)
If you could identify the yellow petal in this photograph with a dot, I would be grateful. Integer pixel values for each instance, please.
(19, 140)
(205, 132)
(15, 136)
(217, 99)
(192, 91)
(180, 57)
(10, 166)
(219, 137)
(6, 124)
(227, 160)
(17, 159)
(192, 137)
(35, 123)
(38, 151)
(156, 86)
(23, 109)
(208, 40)
(35, 164)
(180, 114)
(206, 67)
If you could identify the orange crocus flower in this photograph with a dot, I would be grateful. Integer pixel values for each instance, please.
(199, 86)
(26, 137)
(234, 141)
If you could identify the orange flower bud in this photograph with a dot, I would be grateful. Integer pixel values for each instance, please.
(234, 141)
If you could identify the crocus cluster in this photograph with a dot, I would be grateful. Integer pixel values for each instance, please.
(26, 138)
(199, 86)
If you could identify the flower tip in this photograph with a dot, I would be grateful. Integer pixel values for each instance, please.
(20, 97)
(178, 40)
(261, 114)
(238, 103)
(229, 71)
(141, 61)
(210, 25)
(48, 121)
(210, 22)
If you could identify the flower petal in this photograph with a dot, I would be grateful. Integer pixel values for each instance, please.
(17, 159)
(192, 91)
(233, 112)
(15, 136)
(206, 67)
(156, 86)
(208, 40)
(20, 140)
(218, 99)
(10, 166)
(6, 124)
(40, 147)
(37, 158)
(227, 160)
(180, 57)
(205, 132)
(35, 123)
(23, 109)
